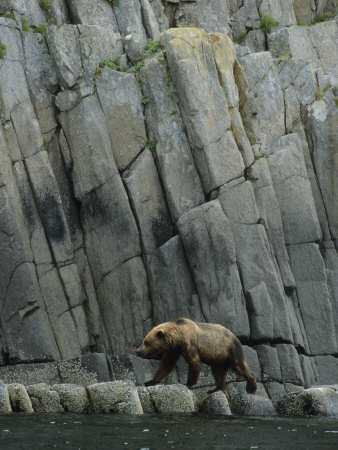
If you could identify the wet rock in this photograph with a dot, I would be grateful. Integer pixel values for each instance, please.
(73, 398)
(19, 398)
(321, 401)
(116, 396)
(146, 400)
(216, 404)
(249, 404)
(5, 404)
(172, 399)
(44, 399)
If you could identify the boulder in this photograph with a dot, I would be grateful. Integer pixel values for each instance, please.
(114, 397)
(216, 404)
(19, 398)
(250, 404)
(44, 399)
(172, 399)
(73, 397)
(5, 404)
(321, 401)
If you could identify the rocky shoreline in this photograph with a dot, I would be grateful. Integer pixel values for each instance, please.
(123, 397)
(165, 159)
(95, 383)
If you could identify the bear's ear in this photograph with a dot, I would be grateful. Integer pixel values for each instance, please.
(160, 334)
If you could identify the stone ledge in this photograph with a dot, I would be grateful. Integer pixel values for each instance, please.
(122, 397)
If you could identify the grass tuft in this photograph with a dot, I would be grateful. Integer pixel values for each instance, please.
(45, 5)
(113, 64)
(139, 66)
(41, 28)
(323, 18)
(8, 15)
(153, 46)
(242, 36)
(267, 23)
(151, 144)
(25, 24)
(3, 50)
(285, 57)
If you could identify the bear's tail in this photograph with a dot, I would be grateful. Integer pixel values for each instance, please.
(251, 384)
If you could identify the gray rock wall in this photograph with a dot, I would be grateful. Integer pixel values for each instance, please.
(189, 176)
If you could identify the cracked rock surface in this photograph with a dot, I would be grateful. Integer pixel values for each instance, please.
(164, 159)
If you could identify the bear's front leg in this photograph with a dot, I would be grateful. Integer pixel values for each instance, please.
(150, 383)
(193, 372)
(166, 366)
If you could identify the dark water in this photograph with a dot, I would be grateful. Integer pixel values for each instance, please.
(70, 431)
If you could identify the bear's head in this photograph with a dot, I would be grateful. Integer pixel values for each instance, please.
(156, 343)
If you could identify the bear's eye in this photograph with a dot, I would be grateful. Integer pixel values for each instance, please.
(146, 343)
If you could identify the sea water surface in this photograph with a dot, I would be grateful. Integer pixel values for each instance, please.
(193, 432)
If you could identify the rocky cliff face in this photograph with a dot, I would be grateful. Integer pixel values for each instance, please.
(151, 168)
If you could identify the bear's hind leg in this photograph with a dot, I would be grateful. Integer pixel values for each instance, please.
(243, 369)
(219, 374)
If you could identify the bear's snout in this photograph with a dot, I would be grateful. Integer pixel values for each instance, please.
(139, 352)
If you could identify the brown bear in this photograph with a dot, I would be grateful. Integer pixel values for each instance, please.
(197, 342)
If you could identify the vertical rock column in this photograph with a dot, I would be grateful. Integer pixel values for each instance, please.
(41, 214)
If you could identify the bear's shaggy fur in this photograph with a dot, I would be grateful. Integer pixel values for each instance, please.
(198, 343)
